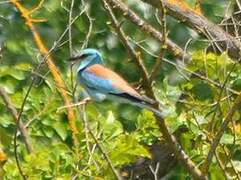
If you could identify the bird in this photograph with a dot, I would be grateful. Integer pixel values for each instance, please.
(101, 83)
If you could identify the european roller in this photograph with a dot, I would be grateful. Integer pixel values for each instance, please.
(102, 83)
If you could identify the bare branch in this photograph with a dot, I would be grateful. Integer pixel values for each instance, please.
(90, 19)
(179, 153)
(202, 25)
(106, 157)
(156, 67)
(14, 114)
(181, 67)
(221, 131)
(16, 131)
(155, 171)
(52, 67)
(144, 26)
(132, 53)
(70, 27)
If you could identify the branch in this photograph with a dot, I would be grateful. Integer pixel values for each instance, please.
(132, 53)
(180, 67)
(52, 67)
(222, 40)
(144, 26)
(233, 167)
(16, 131)
(179, 153)
(155, 171)
(162, 20)
(221, 165)
(106, 157)
(70, 27)
(14, 114)
(221, 131)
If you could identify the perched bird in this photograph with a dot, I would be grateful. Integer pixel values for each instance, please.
(102, 83)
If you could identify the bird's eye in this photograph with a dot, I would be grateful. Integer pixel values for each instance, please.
(83, 56)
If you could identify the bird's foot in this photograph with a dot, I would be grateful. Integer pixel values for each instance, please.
(83, 102)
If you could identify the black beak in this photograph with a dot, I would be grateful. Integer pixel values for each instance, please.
(79, 57)
(75, 58)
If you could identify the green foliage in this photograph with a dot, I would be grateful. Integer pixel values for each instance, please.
(55, 161)
(128, 151)
(147, 130)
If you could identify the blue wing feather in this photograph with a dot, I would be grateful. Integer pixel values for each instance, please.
(92, 81)
(98, 87)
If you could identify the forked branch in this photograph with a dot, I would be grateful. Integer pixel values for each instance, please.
(176, 148)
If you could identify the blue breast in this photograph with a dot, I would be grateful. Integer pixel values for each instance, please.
(96, 87)
(94, 82)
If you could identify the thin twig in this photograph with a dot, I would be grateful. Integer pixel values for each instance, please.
(90, 151)
(45, 108)
(52, 67)
(3, 2)
(220, 96)
(180, 67)
(179, 153)
(239, 4)
(212, 151)
(70, 27)
(229, 158)
(90, 19)
(46, 53)
(220, 163)
(163, 48)
(39, 5)
(14, 114)
(222, 129)
(84, 101)
(106, 157)
(155, 171)
(70, 42)
(194, 20)
(16, 131)
(147, 28)
(132, 53)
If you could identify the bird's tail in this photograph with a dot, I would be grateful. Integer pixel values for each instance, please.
(142, 102)
(150, 108)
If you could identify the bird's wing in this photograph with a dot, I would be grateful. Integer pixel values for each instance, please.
(104, 80)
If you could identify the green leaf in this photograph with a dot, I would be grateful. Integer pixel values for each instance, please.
(127, 149)
(48, 131)
(62, 129)
(227, 139)
(237, 84)
(5, 138)
(112, 127)
(147, 129)
(9, 84)
(175, 122)
(10, 166)
(202, 91)
(6, 120)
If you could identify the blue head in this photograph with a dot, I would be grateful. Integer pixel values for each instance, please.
(86, 58)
